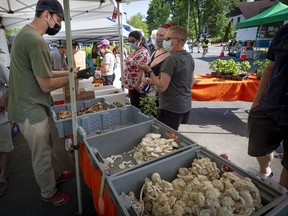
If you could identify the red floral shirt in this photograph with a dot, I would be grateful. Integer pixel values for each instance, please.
(131, 69)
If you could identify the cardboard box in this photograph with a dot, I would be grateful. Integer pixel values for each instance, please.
(66, 90)
(84, 95)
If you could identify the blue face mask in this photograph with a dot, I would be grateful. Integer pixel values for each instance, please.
(167, 45)
(133, 45)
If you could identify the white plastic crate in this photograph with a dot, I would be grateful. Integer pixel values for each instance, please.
(86, 83)
(110, 96)
(100, 88)
(58, 95)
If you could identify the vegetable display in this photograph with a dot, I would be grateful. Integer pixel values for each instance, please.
(91, 109)
(197, 190)
(229, 69)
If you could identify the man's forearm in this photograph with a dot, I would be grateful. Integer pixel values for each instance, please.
(59, 73)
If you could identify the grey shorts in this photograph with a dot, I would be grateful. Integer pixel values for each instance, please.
(265, 135)
(6, 144)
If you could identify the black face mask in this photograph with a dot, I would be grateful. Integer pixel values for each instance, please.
(54, 30)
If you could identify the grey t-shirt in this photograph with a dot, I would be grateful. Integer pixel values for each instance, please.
(58, 60)
(177, 97)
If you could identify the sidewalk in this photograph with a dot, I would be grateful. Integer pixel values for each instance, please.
(222, 128)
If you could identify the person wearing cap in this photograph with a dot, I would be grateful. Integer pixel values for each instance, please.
(29, 101)
(107, 64)
(58, 57)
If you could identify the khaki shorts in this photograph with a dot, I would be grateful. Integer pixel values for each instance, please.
(265, 135)
(6, 144)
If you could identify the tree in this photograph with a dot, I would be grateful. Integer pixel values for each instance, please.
(209, 14)
(157, 14)
(137, 21)
(229, 32)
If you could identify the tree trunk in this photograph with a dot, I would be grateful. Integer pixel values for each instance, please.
(194, 18)
(199, 17)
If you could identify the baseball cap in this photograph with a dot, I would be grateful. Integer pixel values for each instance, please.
(104, 42)
(52, 6)
(62, 44)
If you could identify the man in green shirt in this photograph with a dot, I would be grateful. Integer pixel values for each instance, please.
(31, 81)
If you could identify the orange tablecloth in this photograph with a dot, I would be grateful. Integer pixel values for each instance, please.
(92, 178)
(208, 88)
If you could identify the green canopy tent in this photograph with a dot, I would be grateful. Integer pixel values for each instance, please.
(278, 17)
(266, 17)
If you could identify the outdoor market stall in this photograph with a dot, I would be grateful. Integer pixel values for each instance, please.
(268, 23)
(87, 156)
(208, 88)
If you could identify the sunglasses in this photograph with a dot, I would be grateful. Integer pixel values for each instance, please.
(169, 38)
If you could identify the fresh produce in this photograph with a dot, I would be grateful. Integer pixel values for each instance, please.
(148, 105)
(229, 68)
(261, 66)
(197, 190)
(117, 104)
(91, 109)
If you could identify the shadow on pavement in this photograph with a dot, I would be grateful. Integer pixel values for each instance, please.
(232, 120)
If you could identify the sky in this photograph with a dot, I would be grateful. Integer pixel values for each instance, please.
(133, 8)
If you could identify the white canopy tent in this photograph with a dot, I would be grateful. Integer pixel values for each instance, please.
(16, 13)
(91, 30)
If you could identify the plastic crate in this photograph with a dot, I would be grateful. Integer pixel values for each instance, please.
(64, 126)
(168, 169)
(86, 83)
(110, 96)
(58, 95)
(280, 209)
(123, 140)
(110, 120)
(100, 88)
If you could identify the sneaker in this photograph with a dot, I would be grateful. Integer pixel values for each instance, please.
(3, 188)
(64, 176)
(58, 199)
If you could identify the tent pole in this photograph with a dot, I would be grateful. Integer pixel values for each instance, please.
(120, 28)
(72, 99)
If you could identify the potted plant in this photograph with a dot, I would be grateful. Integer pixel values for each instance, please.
(232, 68)
(261, 67)
(245, 66)
(214, 67)
(148, 105)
